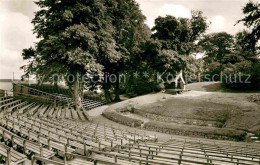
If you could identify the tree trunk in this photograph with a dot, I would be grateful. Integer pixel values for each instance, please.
(107, 93)
(117, 90)
(77, 97)
(55, 84)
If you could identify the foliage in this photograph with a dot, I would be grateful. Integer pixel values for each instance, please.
(235, 58)
(130, 31)
(179, 34)
(117, 117)
(168, 51)
(216, 46)
(70, 34)
(194, 70)
(206, 132)
(252, 21)
(85, 38)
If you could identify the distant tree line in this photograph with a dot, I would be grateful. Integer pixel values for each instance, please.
(235, 56)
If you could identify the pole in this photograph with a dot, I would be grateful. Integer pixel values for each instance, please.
(29, 80)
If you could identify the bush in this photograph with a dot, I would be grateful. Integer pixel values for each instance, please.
(94, 96)
(238, 82)
(213, 133)
(116, 117)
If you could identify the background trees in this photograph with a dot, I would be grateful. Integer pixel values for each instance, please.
(167, 51)
(252, 20)
(105, 37)
(234, 55)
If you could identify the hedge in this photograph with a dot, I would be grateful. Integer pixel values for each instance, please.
(116, 117)
(207, 132)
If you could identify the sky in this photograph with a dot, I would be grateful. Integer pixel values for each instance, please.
(16, 28)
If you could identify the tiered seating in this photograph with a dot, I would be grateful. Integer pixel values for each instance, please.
(179, 151)
(43, 132)
(11, 156)
(60, 95)
(10, 104)
(32, 132)
(26, 107)
(87, 103)
(21, 107)
(27, 145)
(64, 136)
(5, 100)
(202, 152)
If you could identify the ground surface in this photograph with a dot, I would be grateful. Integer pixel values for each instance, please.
(229, 110)
(206, 106)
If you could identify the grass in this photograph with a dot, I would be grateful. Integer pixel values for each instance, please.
(221, 110)
(117, 117)
(207, 112)
(213, 133)
(190, 108)
(215, 87)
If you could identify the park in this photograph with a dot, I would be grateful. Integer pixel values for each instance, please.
(104, 86)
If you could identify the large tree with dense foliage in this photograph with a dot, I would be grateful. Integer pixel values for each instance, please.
(94, 38)
(245, 57)
(178, 38)
(252, 21)
(216, 46)
(168, 51)
(72, 35)
(130, 31)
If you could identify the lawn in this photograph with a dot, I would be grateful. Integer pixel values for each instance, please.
(213, 109)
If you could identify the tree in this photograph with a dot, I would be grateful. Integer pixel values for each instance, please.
(245, 58)
(252, 21)
(72, 35)
(177, 37)
(130, 31)
(216, 46)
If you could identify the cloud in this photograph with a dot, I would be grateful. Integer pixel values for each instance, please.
(150, 22)
(15, 35)
(217, 24)
(175, 10)
(166, 9)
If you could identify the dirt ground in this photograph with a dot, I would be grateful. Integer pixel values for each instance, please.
(205, 105)
(229, 110)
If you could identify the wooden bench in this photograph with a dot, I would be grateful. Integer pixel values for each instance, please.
(5, 101)
(4, 98)
(58, 134)
(12, 157)
(196, 153)
(52, 143)
(104, 134)
(51, 112)
(46, 161)
(41, 111)
(17, 106)
(30, 109)
(26, 144)
(8, 105)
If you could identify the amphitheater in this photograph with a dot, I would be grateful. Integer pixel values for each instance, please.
(44, 133)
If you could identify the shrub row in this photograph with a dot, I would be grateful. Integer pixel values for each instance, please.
(207, 132)
(116, 117)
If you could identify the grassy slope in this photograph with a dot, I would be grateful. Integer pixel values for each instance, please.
(227, 112)
(232, 110)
